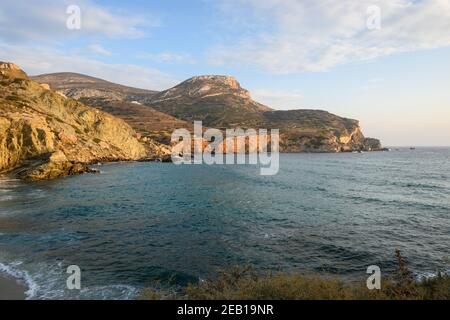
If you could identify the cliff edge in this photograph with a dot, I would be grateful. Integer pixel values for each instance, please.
(46, 135)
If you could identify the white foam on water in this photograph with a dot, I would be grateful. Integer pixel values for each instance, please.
(13, 271)
(6, 198)
(115, 292)
(430, 275)
(49, 283)
(7, 185)
(9, 182)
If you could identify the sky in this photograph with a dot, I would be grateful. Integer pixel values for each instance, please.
(383, 62)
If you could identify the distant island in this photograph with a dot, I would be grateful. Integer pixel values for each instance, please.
(55, 125)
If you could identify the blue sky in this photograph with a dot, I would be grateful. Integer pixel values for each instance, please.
(289, 53)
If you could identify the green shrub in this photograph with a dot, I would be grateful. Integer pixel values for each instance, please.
(13, 97)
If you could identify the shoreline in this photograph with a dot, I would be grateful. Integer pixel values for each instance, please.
(11, 288)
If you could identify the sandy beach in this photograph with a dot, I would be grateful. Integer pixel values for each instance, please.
(11, 289)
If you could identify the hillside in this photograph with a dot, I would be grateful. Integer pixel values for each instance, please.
(45, 135)
(318, 131)
(121, 101)
(218, 101)
(78, 85)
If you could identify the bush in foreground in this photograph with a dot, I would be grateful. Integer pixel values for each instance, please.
(243, 284)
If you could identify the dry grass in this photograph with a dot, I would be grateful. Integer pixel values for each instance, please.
(243, 284)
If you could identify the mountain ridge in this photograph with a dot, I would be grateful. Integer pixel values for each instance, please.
(220, 102)
(46, 135)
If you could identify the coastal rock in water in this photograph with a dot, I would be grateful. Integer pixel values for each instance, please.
(51, 135)
(51, 166)
(372, 144)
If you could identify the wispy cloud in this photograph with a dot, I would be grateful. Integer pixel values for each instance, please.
(278, 99)
(294, 36)
(166, 57)
(98, 49)
(28, 20)
(39, 60)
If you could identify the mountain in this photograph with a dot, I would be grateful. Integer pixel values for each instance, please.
(121, 101)
(45, 135)
(220, 102)
(318, 131)
(81, 86)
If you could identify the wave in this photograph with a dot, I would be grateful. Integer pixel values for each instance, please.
(421, 276)
(13, 271)
(418, 185)
(49, 283)
(392, 202)
(6, 198)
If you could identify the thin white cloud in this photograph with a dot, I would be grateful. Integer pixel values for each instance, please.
(294, 36)
(278, 99)
(166, 57)
(98, 49)
(30, 20)
(39, 60)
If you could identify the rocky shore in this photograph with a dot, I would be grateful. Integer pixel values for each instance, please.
(45, 135)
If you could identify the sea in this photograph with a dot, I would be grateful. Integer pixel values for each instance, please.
(138, 225)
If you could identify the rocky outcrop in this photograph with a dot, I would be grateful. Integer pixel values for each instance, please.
(203, 87)
(371, 144)
(50, 166)
(47, 135)
(218, 101)
(153, 127)
(316, 131)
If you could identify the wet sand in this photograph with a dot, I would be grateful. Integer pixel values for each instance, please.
(11, 289)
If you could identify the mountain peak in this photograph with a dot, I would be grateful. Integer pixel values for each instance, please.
(228, 81)
(205, 86)
(11, 70)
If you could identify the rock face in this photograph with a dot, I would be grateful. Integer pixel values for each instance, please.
(154, 127)
(203, 87)
(220, 102)
(50, 166)
(318, 131)
(45, 135)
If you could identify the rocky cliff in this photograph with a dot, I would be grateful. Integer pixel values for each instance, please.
(45, 135)
(154, 127)
(319, 131)
(220, 102)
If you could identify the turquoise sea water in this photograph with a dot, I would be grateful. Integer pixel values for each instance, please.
(137, 223)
